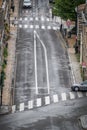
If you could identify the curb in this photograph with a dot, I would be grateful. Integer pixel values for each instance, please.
(5, 110)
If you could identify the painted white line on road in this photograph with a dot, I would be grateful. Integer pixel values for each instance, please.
(63, 95)
(47, 100)
(42, 19)
(55, 98)
(30, 104)
(13, 108)
(36, 26)
(31, 26)
(20, 19)
(48, 27)
(48, 19)
(36, 19)
(31, 19)
(38, 101)
(79, 94)
(26, 19)
(42, 27)
(54, 28)
(35, 60)
(72, 95)
(21, 107)
(25, 26)
(46, 60)
(20, 26)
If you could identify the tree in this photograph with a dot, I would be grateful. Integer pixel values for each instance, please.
(66, 8)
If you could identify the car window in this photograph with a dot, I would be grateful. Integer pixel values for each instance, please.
(85, 82)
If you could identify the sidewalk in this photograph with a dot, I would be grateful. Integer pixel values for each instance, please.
(7, 90)
(75, 65)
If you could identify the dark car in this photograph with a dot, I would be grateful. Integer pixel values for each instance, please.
(51, 1)
(80, 87)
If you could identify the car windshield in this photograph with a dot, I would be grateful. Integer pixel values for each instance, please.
(84, 82)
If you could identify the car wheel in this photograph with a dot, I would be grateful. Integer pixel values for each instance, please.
(76, 89)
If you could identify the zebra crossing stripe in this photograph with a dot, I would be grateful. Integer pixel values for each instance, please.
(38, 102)
(54, 28)
(26, 19)
(20, 19)
(31, 19)
(48, 27)
(20, 26)
(55, 98)
(63, 95)
(42, 27)
(42, 18)
(79, 94)
(36, 19)
(30, 104)
(48, 19)
(36, 26)
(13, 108)
(47, 100)
(31, 26)
(72, 96)
(25, 26)
(21, 107)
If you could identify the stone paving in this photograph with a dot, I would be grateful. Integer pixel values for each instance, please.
(7, 90)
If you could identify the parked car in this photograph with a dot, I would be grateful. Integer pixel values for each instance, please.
(51, 1)
(79, 87)
(27, 4)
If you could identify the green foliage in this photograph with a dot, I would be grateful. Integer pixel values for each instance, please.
(66, 8)
(5, 52)
(2, 78)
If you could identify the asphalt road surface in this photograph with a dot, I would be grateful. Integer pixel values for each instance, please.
(60, 116)
(42, 94)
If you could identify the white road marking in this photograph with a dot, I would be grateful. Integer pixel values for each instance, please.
(55, 98)
(31, 19)
(38, 102)
(25, 26)
(47, 100)
(79, 94)
(30, 104)
(46, 60)
(36, 26)
(72, 95)
(36, 19)
(21, 107)
(35, 60)
(26, 19)
(48, 19)
(42, 19)
(42, 27)
(54, 28)
(48, 27)
(20, 26)
(13, 108)
(20, 19)
(31, 26)
(63, 95)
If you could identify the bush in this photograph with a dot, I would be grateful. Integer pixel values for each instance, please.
(2, 78)
(5, 52)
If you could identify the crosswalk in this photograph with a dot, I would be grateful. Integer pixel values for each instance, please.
(43, 27)
(35, 23)
(47, 100)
